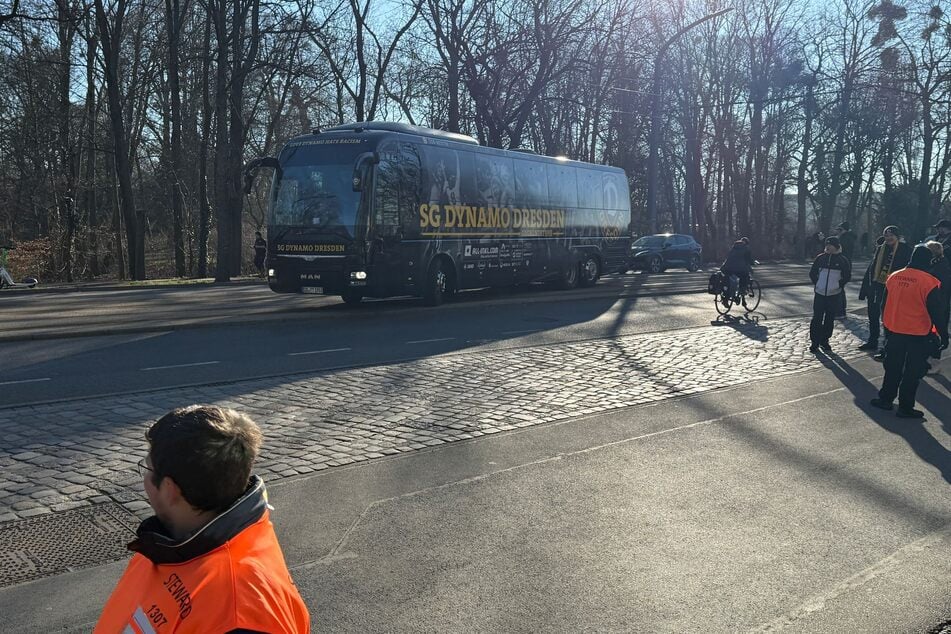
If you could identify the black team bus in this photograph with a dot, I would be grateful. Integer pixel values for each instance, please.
(384, 209)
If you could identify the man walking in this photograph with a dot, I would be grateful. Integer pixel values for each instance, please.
(830, 272)
(892, 254)
(911, 310)
(208, 560)
(260, 252)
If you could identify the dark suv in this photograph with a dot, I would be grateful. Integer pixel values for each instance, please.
(656, 253)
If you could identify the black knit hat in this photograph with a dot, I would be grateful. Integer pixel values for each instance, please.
(833, 241)
(921, 258)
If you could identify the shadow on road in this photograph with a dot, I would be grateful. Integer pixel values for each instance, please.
(747, 325)
(919, 439)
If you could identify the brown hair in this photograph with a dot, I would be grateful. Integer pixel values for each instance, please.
(208, 451)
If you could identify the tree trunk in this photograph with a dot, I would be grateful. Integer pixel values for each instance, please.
(922, 217)
(173, 19)
(89, 190)
(802, 187)
(223, 214)
(204, 206)
(135, 230)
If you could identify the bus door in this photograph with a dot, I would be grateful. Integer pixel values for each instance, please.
(395, 195)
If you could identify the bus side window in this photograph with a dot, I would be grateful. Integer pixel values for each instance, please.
(386, 208)
(562, 186)
(531, 184)
(590, 192)
(409, 182)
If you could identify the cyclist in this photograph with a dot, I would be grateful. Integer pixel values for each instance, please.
(739, 262)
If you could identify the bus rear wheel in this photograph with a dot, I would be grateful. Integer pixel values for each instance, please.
(436, 285)
(590, 271)
(569, 276)
(352, 297)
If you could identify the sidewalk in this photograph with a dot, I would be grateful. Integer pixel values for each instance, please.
(782, 503)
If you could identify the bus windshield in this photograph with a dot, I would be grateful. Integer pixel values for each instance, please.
(313, 190)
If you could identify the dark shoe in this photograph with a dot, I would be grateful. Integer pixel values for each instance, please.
(813, 348)
(868, 346)
(879, 357)
(909, 413)
(825, 345)
(880, 404)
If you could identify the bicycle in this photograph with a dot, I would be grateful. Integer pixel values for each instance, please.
(728, 294)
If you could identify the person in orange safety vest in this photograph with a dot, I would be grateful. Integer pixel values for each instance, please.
(208, 561)
(912, 311)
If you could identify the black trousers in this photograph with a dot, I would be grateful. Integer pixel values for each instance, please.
(824, 311)
(875, 294)
(905, 362)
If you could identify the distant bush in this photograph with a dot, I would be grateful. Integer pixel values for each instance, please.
(30, 258)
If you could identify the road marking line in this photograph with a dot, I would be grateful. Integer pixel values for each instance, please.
(430, 340)
(818, 602)
(25, 381)
(296, 354)
(520, 332)
(180, 365)
(335, 551)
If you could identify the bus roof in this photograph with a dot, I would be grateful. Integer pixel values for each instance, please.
(403, 128)
(385, 128)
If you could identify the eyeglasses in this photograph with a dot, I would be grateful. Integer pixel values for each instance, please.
(143, 466)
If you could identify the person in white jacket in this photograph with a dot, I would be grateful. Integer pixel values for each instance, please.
(830, 272)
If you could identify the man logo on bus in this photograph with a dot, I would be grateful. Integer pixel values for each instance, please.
(468, 250)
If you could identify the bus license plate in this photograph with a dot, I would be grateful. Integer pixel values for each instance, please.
(312, 290)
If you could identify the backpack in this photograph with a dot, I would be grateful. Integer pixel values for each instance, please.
(716, 283)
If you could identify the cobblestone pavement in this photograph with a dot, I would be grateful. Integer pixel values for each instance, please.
(62, 456)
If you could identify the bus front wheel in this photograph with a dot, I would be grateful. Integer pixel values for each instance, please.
(437, 284)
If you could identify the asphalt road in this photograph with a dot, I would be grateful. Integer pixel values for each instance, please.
(41, 315)
(784, 504)
(291, 334)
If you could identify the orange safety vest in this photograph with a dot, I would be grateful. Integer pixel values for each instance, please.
(906, 309)
(242, 584)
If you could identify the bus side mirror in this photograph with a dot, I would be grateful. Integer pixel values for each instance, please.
(361, 170)
(254, 165)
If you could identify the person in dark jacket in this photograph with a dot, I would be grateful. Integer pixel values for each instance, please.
(911, 311)
(890, 255)
(848, 240)
(942, 233)
(260, 252)
(941, 269)
(830, 272)
(739, 262)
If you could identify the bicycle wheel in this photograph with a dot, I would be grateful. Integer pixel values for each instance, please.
(723, 302)
(752, 297)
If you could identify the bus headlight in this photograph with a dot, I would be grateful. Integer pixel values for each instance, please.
(358, 275)
(272, 273)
